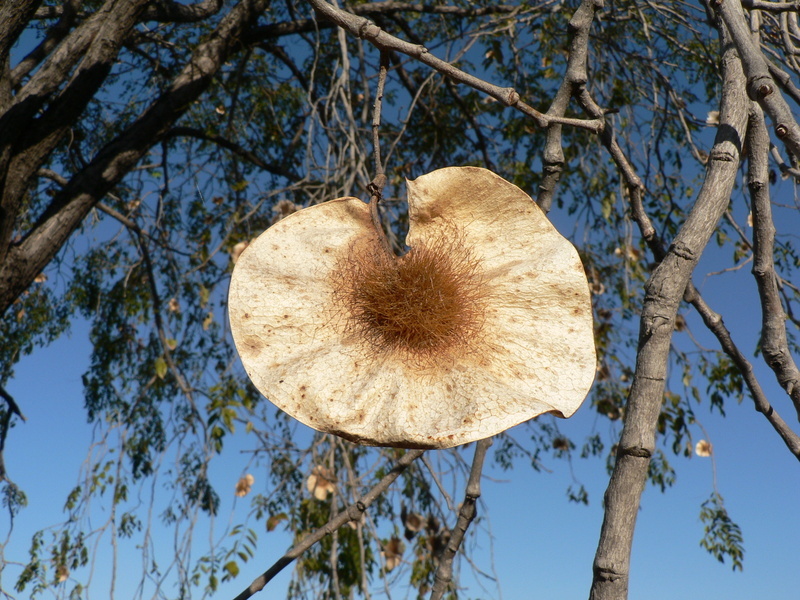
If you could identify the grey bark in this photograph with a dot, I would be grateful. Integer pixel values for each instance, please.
(22, 261)
(663, 293)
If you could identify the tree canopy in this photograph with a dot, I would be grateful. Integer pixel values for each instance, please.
(144, 143)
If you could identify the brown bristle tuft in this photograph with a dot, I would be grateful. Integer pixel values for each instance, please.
(424, 307)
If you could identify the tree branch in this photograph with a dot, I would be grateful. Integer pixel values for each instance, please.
(167, 11)
(760, 85)
(112, 163)
(14, 17)
(466, 514)
(664, 291)
(773, 333)
(363, 28)
(574, 80)
(26, 138)
(54, 35)
(352, 513)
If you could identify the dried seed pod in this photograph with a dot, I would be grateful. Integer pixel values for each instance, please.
(485, 323)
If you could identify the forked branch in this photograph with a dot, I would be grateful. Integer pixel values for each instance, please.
(352, 513)
(366, 29)
(664, 292)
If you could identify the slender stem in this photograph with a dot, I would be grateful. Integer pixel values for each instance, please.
(376, 113)
(352, 513)
(377, 184)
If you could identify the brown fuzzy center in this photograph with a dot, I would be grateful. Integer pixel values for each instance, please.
(422, 306)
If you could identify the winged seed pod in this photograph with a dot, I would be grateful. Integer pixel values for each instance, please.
(484, 323)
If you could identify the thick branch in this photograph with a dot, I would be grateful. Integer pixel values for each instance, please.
(174, 12)
(14, 17)
(760, 85)
(774, 343)
(663, 293)
(55, 34)
(112, 163)
(26, 139)
(352, 513)
(574, 80)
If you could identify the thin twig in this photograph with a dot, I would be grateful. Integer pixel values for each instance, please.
(714, 323)
(376, 113)
(352, 513)
(379, 181)
(366, 29)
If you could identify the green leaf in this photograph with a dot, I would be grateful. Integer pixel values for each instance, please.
(161, 367)
(232, 568)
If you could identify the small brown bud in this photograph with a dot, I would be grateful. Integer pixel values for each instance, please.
(764, 90)
(781, 131)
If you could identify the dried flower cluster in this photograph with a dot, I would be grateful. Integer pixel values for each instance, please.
(321, 482)
(244, 485)
(703, 448)
(423, 308)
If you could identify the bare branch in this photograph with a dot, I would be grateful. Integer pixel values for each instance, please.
(773, 333)
(769, 6)
(174, 12)
(366, 29)
(352, 513)
(760, 85)
(466, 514)
(379, 180)
(664, 292)
(715, 324)
(574, 81)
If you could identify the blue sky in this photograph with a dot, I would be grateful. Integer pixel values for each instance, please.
(542, 545)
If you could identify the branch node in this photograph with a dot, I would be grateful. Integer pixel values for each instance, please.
(512, 97)
(764, 90)
(368, 30)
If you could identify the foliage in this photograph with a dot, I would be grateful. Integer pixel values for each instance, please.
(722, 537)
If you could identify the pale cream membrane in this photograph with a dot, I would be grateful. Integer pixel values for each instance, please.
(527, 347)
